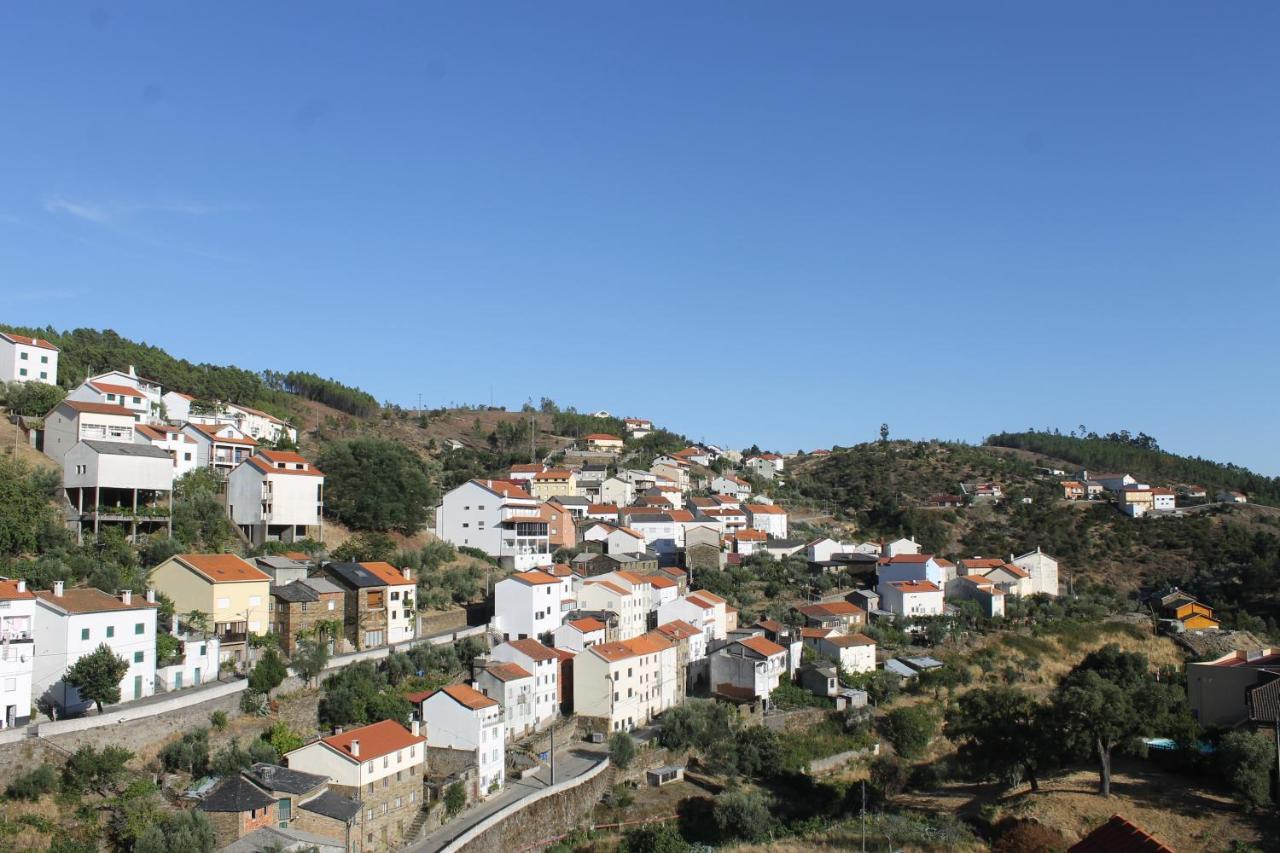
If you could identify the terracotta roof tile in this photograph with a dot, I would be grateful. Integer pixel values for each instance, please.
(376, 740)
(387, 573)
(222, 568)
(532, 649)
(504, 671)
(761, 646)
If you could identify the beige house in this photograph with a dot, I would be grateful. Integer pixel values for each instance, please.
(554, 482)
(233, 595)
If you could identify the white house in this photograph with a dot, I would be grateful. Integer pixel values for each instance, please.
(637, 427)
(1043, 570)
(150, 389)
(603, 441)
(71, 623)
(544, 665)
(24, 359)
(73, 421)
(727, 484)
(125, 395)
(498, 517)
(199, 661)
(748, 670)
(911, 598)
(854, 652)
(766, 465)
(659, 529)
(701, 609)
(181, 448)
(770, 518)
(512, 686)
(665, 591)
(632, 609)
(824, 548)
(527, 604)
(578, 634)
(899, 547)
(461, 717)
(276, 496)
(220, 447)
(260, 426)
(111, 482)
(911, 567)
(17, 652)
(1163, 499)
(987, 593)
(625, 684)
(1232, 496)
(616, 491)
(615, 539)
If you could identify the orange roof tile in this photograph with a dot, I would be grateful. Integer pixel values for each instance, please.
(660, 582)
(97, 408)
(602, 436)
(532, 649)
(505, 488)
(587, 625)
(647, 644)
(31, 342)
(9, 591)
(914, 586)
(761, 646)
(467, 697)
(387, 573)
(832, 608)
(376, 740)
(553, 474)
(533, 577)
(222, 568)
(121, 390)
(845, 641)
(602, 509)
(677, 629)
(707, 595)
(764, 509)
(504, 671)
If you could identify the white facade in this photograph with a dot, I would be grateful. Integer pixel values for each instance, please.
(698, 612)
(911, 567)
(459, 717)
(1043, 570)
(93, 464)
(260, 426)
(625, 683)
(341, 759)
(17, 652)
(71, 623)
(219, 446)
(527, 604)
(579, 634)
(24, 359)
(181, 448)
(854, 652)
(617, 540)
(200, 663)
(616, 491)
(72, 421)
(748, 669)
(544, 665)
(632, 610)
(771, 519)
(898, 547)
(512, 687)
(499, 518)
(276, 496)
(911, 598)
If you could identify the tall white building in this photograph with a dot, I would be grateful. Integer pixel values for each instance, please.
(511, 685)
(529, 604)
(276, 496)
(73, 421)
(71, 623)
(544, 665)
(24, 359)
(181, 448)
(463, 718)
(1043, 570)
(114, 483)
(126, 396)
(625, 684)
(17, 652)
(498, 517)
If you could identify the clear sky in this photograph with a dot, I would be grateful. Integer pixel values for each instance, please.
(781, 223)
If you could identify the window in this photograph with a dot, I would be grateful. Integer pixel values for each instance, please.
(137, 657)
(330, 604)
(44, 375)
(395, 595)
(464, 524)
(140, 628)
(22, 356)
(84, 633)
(186, 457)
(22, 371)
(44, 359)
(111, 630)
(224, 603)
(202, 651)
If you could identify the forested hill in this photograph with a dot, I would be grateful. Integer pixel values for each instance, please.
(84, 352)
(1142, 457)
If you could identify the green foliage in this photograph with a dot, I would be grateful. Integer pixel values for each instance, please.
(33, 399)
(911, 728)
(34, 784)
(187, 831)
(218, 719)
(199, 520)
(455, 797)
(168, 649)
(366, 547)
(571, 424)
(1245, 760)
(92, 769)
(189, 753)
(788, 695)
(359, 694)
(283, 738)
(743, 815)
(1142, 457)
(27, 518)
(231, 759)
(330, 392)
(890, 775)
(96, 676)
(374, 484)
(654, 838)
(268, 672)
(263, 752)
(828, 737)
(309, 659)
(622, 750)
(1002, 733)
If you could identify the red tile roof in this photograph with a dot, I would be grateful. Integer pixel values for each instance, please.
(706, 595)
(1118, 835)
(761, 646)
(31, 342)
(677, 629)
(91, 600)
(504, 671)
(587, 625)
(97, 408)
(505, 488)
(9, 591)
(222, 568)
(914, 586)
(660, 582)
(387, 573)
(121, 390)
(602, 436)
(850, 640)
(532, 649)
(467, 697)
(831, 608)
(533, 577)
(764, 509)
(376, 740)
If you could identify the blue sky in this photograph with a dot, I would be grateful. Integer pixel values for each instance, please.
(753, 222)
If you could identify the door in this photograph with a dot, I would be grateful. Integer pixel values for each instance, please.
(177, 680)
(137, 687)
(196, 680)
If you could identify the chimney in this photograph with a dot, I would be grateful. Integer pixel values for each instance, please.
(126, 596)
(22, 586)
(151, 595)
(417, 728)
(408, 573)
(57, 589)
(337, 730)
(355, 747)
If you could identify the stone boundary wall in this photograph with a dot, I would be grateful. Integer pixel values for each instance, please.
(833, 762)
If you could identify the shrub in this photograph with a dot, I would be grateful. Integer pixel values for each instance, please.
(31, 786)
(654, 838)
(890, 775)
(218, 719)
(911, 729)
(622, 750)
(455, 797)
(739, 814)
(1245, 760)
(190, 753)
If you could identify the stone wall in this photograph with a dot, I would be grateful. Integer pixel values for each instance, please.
(443, 620)
(840, 759)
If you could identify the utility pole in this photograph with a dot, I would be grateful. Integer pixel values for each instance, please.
(553, 755)
(864, 816)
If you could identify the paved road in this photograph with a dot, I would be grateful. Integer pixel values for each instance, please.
(573, 759)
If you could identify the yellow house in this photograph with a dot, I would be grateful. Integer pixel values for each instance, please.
(554, 482)
(1195, 616)
(231, 593)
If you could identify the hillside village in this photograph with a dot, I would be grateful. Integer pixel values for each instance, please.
(624, 580)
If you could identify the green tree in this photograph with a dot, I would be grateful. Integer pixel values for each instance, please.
(744, 815)
(96, 676)
(911, 729)
(231, 759)
(310, 659)
(366, 547)
(1245, 760)
(283, 738)
(654, 838)
(455, 797)
(25, 511)
(185, 831)
(189, 753)
(375, 484)
(1001, 733)
(622, 750)
(32, 785)
(34, 399)
(268, 672)
(89, 768)
(199, 518)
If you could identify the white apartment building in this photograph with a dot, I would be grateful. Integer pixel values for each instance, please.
(854, 652)
(498, 517)
(701, 609)
(73, 421)
(181, 448)
(259, 425)
(511, 685)
(199, 662)
(126, 396)
(625, 684)
(111, 482)
(544, 665)
(150, 389)
(461, 717)
(578, 634)
(17, 652)
(748, 670)
(71, 623)
(276, 496)
(616, 491)
(911, 598)
(913, 567)
(632, 609)
(1043, 570)
(24, 359)
(770, 518)
(220, 447)
(528, 604)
